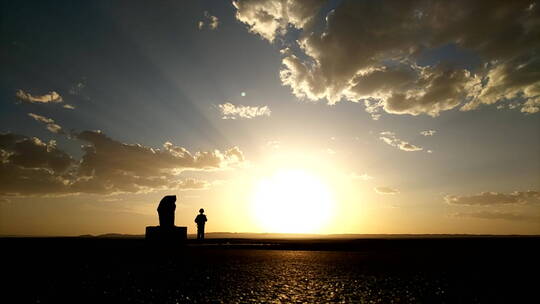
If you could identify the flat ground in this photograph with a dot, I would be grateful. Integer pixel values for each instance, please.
(400, 270)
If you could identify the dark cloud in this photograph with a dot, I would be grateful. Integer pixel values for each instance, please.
(371, 51)
(32, 153)
(494, 198)
(31, 167)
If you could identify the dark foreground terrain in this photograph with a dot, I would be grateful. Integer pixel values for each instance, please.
(400, 270)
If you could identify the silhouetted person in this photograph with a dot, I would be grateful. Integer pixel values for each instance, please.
(200, 220)
(166, 210)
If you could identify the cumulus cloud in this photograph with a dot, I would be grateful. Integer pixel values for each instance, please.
(32, 153)
(30, 166)
(531, 106)
(391, 139)
(495, 198)
(508, 216)
(51, 97)
(271, 18)
(230, 111)
(49, 123)
(386, 190)
(428, 132)
(372, 51)
(68, 106)
(211, 22)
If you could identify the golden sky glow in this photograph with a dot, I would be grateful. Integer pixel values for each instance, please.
(292, 201)
(274, 116)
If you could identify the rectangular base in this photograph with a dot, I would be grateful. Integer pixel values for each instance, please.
(170, 235)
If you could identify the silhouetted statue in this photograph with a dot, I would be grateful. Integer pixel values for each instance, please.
(201, 221)
(166, 210)
(166, 233)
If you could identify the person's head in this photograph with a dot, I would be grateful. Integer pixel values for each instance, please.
(201, 211)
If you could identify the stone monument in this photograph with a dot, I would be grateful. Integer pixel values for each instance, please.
(166, 232)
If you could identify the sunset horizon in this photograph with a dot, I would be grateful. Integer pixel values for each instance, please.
(270, 151)
(312, 117)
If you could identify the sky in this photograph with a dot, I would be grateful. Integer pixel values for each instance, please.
(362, 117)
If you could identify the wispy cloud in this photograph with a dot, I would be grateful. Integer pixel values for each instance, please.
(363, 176)
(428, 132)
(391, 139)
(494, 198)
(230, 111)
(274, 144)
(507, 216)
(77, 88)
(386, 190)
(51, 97)
(49, 123)
(211, 22)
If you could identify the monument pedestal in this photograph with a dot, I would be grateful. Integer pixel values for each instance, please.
(170, 235)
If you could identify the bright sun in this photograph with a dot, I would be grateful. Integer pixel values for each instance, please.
(292, 201)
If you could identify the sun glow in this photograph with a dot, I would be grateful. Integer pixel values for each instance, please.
(292, 201)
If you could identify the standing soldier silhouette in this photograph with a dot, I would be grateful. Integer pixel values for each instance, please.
(200, 220)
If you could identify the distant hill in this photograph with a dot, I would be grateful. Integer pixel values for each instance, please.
(251, 235)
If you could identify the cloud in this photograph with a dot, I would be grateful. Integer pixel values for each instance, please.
(275, 144)
(40, 118)
(192, 184)
(363, 176)
(428, 132)
(51, 97)
(531, 106)
(494, 198)
(68, 106)
(386, 190)
(51, 126)
(230, 111)
(271, 18)
(211, 22)
(508, 216)
(77, 88)
(31, 167)
(391, 139)
(374, 51)
(32, 153)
